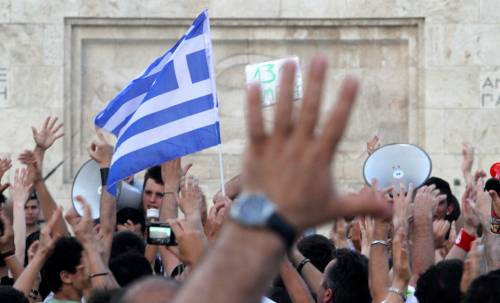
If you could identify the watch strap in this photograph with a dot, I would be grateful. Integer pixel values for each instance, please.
(279, 225)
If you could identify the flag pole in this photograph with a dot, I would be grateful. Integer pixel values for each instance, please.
(221, 169)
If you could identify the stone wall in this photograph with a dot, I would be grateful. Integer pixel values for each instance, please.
(429, 70)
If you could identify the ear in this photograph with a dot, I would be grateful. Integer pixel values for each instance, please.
(65, 277)
(328, 295)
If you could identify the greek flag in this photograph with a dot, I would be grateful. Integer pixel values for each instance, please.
(167, 112)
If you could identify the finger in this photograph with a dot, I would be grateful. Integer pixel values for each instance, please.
(33, 130)
(284, 107)
(409, 193)
(255, 121)
(87, 211)
(51, 125)
(353, 205)
(100, 135)
(339, 116)
(46, 123)
(186, 168)
(3, 187)
(59, 136)
(58, 128)
(309, 111)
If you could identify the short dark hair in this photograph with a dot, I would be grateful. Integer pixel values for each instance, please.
(126, 241)
(318, 249)
(444, 188)
(129, 266)
(11, 295)
(348, 277)
(155, 174)
(484, 289)
(66, 256)
(105, 295)
(441, 282)
(133, 214)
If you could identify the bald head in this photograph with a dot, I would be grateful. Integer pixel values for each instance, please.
(151, 290)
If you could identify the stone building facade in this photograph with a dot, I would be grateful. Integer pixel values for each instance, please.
(429, 71)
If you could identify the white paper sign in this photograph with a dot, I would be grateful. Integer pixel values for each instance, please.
(268, 74)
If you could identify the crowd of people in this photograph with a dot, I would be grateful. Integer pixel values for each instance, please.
(253, 243)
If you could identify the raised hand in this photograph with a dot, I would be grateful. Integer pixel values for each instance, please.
(83, 228)
(402, 206)
(427, 200)
(33, 161)
(21, 189)
(472, 265)
(48, 234)
(216, 216)
(190, 196)
(191, 241)
(373, 144)
(5, 165)
(468, 160)
(440, 229)
(101, 151)
(171, 174)
(48, 134)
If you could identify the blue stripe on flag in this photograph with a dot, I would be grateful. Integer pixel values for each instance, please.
(156, 154)
(198, 66)
(197, 27)
(168, 115)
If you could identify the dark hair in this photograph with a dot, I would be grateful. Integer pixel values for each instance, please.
(348, 277)
(126, 241)
(129, 266)
(133, 214)
(318, 249)
(484, 289)
(440, 283)
(155, 174)
(11, 295)
(66, 256)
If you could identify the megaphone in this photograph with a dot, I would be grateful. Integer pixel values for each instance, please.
(398, 163)
(87, 183)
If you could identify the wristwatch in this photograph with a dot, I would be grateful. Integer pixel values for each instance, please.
(257, 211)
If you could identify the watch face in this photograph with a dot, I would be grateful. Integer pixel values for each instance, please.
(253, 210)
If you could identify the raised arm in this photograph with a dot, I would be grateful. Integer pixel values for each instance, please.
(44, 139)
(426, 202)
(378, 262)
(7, 247)
(47, 240)
(101, 275)
(20, 193)
(295, 286)
(101, 151)
(301, 190)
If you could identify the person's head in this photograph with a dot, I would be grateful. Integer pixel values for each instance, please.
(484, 289)
(318, 249)
(440, 283)
(135, 216)
(448, 209)
(31, 212)
(65, 270)
(129, 266)
(124, 241)
(152, 194)
(11, 295)
(345, 279)
(151, 290)
(105, 295)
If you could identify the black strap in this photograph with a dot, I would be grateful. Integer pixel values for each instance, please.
(104, 175)
(278, 224)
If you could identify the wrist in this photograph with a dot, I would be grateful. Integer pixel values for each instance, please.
(471, 230)
(464, 240)
(400, 282)
(171, 187)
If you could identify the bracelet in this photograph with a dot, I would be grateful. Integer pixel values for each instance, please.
(381, 242)
(301, 264)
(398, 292)
(7, 254)
(464, 240)
(98, 275)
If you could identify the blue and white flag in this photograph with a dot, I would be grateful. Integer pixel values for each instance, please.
(167, 112)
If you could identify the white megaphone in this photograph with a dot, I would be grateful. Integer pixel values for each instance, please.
(87, 183)
(398, 163)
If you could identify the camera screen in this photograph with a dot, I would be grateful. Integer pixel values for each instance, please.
(159, 232)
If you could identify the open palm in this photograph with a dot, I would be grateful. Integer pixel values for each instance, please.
(48, 134)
